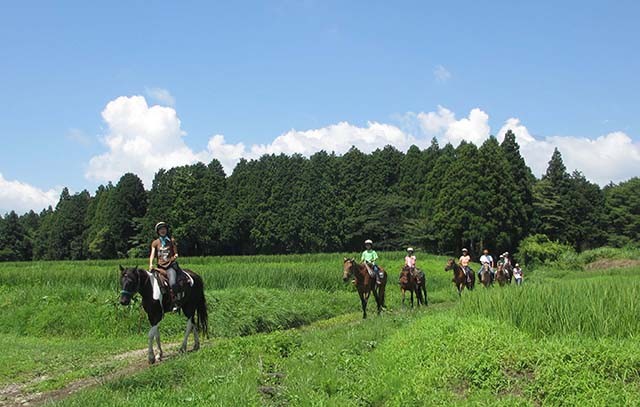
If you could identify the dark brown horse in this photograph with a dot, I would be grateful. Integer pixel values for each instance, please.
(459, 276)
(421, 287)
(485, 275)
(501, 275)
(365, 283)
(407, 283)
(135, 280)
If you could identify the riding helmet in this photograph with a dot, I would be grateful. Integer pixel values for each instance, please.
(161, 225)
(368, 241)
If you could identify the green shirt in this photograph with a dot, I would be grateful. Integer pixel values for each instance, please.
(369, 255)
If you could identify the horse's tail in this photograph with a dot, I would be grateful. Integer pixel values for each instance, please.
(202, 316)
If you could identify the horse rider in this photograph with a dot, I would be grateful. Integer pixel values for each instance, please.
(465, 259)
(517, 274)
(506, 263)
(410, 260)
(164, 250)
(487, 259)
(369, 257)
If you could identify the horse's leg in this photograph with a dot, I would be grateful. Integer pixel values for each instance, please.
(363, 302)
(411, 299)
(403, 292)
(376, 297)
(153, 332)
(196, 337)
(160, 353)
(187, 331)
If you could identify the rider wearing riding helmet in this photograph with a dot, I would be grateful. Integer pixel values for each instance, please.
(164, 250)
(487, 259)
(465, 259)
(410, 259)
(369, 257)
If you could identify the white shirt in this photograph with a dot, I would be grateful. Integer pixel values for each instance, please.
(486, 258)
(517, 272)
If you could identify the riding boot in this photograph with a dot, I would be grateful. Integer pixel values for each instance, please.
(175, 299)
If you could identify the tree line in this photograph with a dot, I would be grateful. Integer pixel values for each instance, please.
(440, 199)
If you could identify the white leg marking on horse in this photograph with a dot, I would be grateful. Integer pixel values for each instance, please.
(196, 337)
(152, 334)
(187, 331)
(160, 353)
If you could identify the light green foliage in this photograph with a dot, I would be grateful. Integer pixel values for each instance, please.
(539, 249)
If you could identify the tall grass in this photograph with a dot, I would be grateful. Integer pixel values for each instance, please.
(592, 308)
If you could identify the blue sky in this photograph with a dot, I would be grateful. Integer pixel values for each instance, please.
(253, 71)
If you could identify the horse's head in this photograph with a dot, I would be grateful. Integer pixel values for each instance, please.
(348, 266)
(450, 264)
(130, 283)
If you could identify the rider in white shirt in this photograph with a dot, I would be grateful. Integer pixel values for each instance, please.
(486, 259)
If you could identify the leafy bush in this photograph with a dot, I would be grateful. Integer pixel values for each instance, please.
(590, 256)
(538, 250)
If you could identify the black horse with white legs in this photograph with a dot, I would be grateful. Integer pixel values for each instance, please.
(193, 304)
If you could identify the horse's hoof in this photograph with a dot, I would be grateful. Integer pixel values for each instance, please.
(158, 357)
(182, 349)
(152, 360)
(196, 347)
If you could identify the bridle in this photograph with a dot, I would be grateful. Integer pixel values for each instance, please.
(129, 293)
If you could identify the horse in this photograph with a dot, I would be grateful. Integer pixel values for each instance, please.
(135, 280)
(485, 275)
(501, 275)
(407, 283)
(509, 270)
(365, 283)
(459, 276)
(421, 287)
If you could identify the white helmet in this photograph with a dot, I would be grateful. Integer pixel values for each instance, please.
(409, 249)
(465, 250)
(368, 241)
(161, 225)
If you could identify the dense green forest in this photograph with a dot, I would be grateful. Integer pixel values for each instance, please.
(438, 199)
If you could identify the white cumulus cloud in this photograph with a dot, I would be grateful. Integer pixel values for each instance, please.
(160, 95)
(21, 197)
(139, 139)
(443, 125)
(142, 139)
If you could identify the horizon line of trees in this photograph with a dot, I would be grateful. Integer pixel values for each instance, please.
(439, 199)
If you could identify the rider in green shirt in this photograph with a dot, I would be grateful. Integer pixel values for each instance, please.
(369, 257)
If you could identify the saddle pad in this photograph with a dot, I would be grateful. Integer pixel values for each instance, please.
(157, 295)
(189, 278)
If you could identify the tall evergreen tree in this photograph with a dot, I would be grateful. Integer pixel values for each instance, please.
(127, 202)
(524, 181)
(584, 205)
(457, 218)
(99, 240)
(499, 206)
(550, 195)
(14, 244)
(622, 212)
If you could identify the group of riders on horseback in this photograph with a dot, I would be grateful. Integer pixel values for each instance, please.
(185, 288)
(488, 265)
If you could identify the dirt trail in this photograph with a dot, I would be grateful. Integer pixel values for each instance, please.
(19, 394)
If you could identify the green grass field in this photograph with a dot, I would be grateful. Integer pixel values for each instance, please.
(287, 331)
